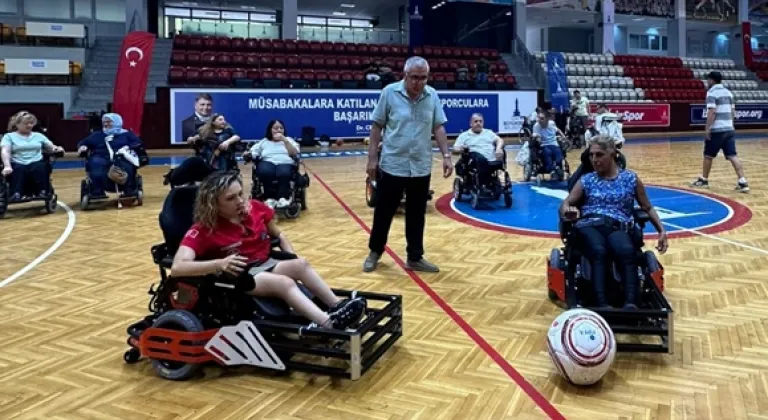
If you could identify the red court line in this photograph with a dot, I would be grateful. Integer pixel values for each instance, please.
(539, 399)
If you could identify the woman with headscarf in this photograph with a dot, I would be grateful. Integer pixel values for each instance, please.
(113, 145)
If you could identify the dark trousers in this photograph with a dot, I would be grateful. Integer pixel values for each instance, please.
(483, 167)
(36, 172)
(552, 157)
(389, 192)
(271, 174)
(98, 168)
(602, 244)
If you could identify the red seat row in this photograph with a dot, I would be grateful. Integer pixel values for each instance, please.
(670, 73)
(222, 76)
(647, 61)
(763, 75)
(195, 42)
(675, 95)
(254, 60)
(654, 83)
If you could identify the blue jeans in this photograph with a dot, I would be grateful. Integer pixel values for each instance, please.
(601, 245)
(552, 157)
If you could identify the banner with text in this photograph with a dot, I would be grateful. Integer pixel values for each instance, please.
(637, 115)
(745, 114)
(557, 77)
(341, 113)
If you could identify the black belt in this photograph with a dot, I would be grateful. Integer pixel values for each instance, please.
(600, 220)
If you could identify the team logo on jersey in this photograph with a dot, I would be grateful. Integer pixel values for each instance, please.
(535, 211)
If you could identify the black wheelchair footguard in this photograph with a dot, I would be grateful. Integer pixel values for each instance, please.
(299, 184)
(50, 200)
(467, 182)
(179, 336)
(653, 319)
(87, 201)
(534, 168)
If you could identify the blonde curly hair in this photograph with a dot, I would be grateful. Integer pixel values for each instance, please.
(207, 201)
(19, 118)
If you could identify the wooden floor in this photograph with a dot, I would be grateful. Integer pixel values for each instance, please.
(62, 322)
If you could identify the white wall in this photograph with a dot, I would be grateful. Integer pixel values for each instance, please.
(37, 94)
(533, 39)
(59, 53)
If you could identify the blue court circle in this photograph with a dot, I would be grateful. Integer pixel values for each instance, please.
(534, 211)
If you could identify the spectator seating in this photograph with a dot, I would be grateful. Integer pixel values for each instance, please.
(629, 78)
(73, 78)
(198, 60)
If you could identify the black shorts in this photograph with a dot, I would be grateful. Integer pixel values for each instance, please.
(246, 282)
(725, 141)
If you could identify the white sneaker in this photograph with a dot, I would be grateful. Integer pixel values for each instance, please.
(271, 202)
(283, 202)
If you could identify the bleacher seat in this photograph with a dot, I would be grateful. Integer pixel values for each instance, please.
(633, 78)
(251, 59)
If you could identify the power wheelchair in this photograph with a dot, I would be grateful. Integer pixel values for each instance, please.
(534, 168)
(194, 321)
(299, 184)
(467, 181)
(85, 185)
(575, 133)
(50, 200)
(569, 284)
(370, 188)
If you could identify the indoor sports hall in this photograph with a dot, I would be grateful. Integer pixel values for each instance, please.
(86, 281)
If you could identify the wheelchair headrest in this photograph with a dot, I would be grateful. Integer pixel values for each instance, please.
(191, 170)
(177, 215)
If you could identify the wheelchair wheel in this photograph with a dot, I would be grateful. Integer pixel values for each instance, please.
(370, 193)
(179, 321)
(131, 356)
(508, 200)
(457, 189)
(528, 171)
(84, 197)
(52, 203)
(293, 210)
(4, 197)
(555, 262)
(139, 191)
(302, 195)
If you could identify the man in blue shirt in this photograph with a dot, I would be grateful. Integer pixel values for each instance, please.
(547, 133)
(407, 115)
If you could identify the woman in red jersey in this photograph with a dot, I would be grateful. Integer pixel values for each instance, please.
(232, 234)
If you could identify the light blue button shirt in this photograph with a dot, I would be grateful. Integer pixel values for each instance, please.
(408, 126)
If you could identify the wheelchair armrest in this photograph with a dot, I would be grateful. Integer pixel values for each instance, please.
(161, 256)
(57, 155)
(641, 216)
(247, 157)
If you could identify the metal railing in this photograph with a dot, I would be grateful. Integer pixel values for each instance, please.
(521, 52)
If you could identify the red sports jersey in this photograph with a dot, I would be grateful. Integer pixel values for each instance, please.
(251, 239)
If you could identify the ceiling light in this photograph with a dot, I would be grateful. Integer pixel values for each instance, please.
(339, 14)
(347, 5)
(638, 19)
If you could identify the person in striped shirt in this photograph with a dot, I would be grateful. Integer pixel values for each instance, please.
(720, 132)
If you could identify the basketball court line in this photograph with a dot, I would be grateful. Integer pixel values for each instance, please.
(71, 219)
(538, 399)
(717, 238)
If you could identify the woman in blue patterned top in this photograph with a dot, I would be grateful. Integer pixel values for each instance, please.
(607, 198)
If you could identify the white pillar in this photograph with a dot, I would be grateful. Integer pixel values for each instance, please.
(604, 36)
(290, 14)
(135, 15)
(735, 42)
(521, 17)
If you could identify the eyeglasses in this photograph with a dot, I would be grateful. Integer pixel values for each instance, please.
(417, 77)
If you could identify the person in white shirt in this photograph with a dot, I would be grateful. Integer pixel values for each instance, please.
(580, 109)
(485, 147)
(277, 153)
(546, 132)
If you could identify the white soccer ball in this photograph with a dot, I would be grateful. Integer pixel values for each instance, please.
(582, 346)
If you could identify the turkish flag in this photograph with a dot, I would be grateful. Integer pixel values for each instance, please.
(746, 37)
(131, 78)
